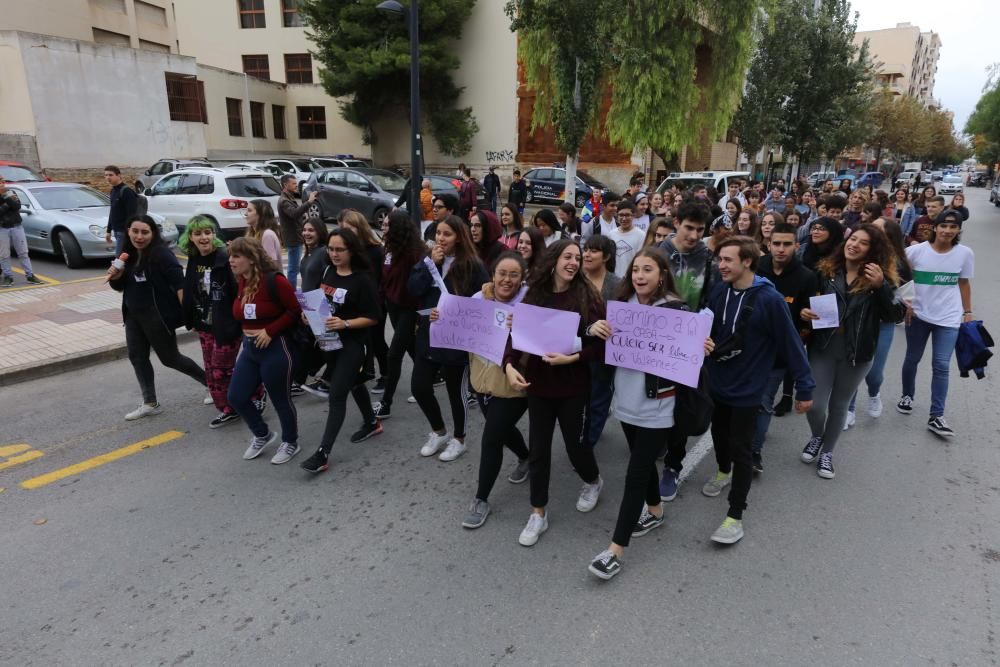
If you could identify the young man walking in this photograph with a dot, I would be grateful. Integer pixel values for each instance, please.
(751, 328)
(517, 195)
(491, 183)
(124, 203)
(627, 238)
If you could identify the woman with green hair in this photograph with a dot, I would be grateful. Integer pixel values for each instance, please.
(209, 292)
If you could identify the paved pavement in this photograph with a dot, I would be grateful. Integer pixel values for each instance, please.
(152, 542)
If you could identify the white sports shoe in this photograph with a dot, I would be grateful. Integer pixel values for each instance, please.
(286, 450)
(144, 410)
(257, 445)
(434, 443)
(537, 524)
(850, 420)
(875, 405)
(208, 400)
(589, 495)
(453, 450)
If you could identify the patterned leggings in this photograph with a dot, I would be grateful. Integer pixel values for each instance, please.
(219, 362)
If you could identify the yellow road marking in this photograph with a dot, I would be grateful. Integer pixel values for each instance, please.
(97, 461)
(50, 281)
(18, 454)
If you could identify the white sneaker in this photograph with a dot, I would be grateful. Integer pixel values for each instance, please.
(208, 400)
(286, 450)
(144, 410)
(434, 443)
(589, 495)
(257, 445)
(411, 399)
(850, 420)
(453, 450)
(537, 524)
(875, 406)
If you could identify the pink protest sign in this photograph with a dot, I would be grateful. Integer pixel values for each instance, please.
(665, 342)
(471, 325)
(540, 330)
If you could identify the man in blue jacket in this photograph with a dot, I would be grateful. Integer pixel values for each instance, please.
(751, 331)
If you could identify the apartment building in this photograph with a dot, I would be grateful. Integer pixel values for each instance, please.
(906, 58)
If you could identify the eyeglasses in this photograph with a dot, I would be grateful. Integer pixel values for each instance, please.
(511, 275)
(336, 249)
(476, 225)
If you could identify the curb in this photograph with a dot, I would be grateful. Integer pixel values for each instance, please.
(73, 362)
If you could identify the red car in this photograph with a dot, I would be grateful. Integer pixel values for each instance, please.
(15, 172)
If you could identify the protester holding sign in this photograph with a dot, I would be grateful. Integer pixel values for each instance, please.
(644, 404)
(557, 384)
(353, 298)
(502, 405)
(454, 268)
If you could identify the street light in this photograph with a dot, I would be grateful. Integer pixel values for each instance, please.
(394, 8)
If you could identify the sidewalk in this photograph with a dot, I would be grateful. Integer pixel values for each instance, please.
(55, 328)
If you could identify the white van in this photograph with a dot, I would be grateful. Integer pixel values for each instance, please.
(716, 179)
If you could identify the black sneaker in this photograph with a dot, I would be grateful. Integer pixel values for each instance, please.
(905, 405)
(940, 427)
(297, 390)
(758, 463)
(605, 565)
(317, 388)
(825, 466)
(811, 450)
(316, 463)
(8, 281)
(382, 410)
(647, 522)
(520, 472)
(783, 407)
(367, 431)
(261, 403)
(379, 387)
(223, 419)
(438, 379)
(33, 279)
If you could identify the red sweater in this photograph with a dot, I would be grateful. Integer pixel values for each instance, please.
(263, 313)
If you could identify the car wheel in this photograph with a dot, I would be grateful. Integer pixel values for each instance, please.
(378, 217)
(528, 198)
(70, 247)
(581, 200)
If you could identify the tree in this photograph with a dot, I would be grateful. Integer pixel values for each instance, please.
(366, 63)
(984, 123)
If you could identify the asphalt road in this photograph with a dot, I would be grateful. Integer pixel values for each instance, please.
(184, 553)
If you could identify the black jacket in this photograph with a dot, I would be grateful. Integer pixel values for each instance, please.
(225, 328)
(491, 183)
(421, 286)
(859, 318)
(796, 284)
(165, 276)
(124, 203)
(10, 210)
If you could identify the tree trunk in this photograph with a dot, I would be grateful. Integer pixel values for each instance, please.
(571, 160)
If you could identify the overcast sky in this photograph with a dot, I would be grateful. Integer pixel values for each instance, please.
(970, 40)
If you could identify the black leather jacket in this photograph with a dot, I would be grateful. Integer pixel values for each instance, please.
(860, 317)
(10, 210)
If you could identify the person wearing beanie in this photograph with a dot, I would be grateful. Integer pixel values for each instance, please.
(550, 227)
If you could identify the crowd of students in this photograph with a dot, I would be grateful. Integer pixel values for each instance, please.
(679, 250)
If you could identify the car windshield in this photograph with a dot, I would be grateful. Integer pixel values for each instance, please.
(387, 180)
(52, 199)
(952, 179)
(303, 165)
(253, 186)
(15, 174)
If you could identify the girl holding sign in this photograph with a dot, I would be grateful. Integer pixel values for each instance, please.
(644, 404)
(862, 274)
(348, 284)
(453, 267)
(558, 385)
(503, 405)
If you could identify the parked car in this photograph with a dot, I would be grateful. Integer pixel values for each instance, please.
(69, 219)
(163, 167)
(15, 172)
(937, 175)
(904, 178)
(716, 179)
(872, 178)
(547, 184)
(301, 168)
(995, 192)
(442, 184)
(978, 179)
(329, 162)
(818, 178)
(951, 185)
(373, 192)
(257, 166)
(218, 193)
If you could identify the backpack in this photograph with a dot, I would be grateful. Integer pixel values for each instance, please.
(299, 334)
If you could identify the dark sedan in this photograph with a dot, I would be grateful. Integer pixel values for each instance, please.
(549, 185)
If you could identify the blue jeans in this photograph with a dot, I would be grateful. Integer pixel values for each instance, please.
(766, 410)
(273, 366)
(294, 258)
(119, 242)
(602, 390)
(943, 341)
(876, 375)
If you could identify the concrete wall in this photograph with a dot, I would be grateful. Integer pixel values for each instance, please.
(19, 148)
(149, 21)
(16, 114)
(220, 84)
(341, 136)
(96, 104)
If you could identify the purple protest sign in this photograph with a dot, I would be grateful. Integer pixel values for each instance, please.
(540, 330)
(666, 342)
(471, 325)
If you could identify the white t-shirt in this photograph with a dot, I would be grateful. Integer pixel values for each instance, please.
(642, 222)
(607, 225)
(627, 244)
(935, 282)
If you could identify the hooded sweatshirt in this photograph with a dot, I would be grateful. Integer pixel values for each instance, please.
(490, 247)
(692, 271)
(770, 340)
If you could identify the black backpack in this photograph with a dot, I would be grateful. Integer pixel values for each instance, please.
(693, 407)
(299, 334)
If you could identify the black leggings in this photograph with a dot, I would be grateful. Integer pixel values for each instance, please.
(502, 415)
(308, 360)
(149, 332)
(542, 416)
(345, 372)
(732, 437)
(456, 380)
(641, 478)
(404, 323)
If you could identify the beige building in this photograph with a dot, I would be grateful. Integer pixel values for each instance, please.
(907, 59)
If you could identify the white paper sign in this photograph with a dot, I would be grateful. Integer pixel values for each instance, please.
(826, 307)
(316, 309)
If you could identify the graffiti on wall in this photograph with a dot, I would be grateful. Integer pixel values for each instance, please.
(499, 156)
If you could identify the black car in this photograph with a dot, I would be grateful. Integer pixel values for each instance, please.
(548, 184)
(449, 185)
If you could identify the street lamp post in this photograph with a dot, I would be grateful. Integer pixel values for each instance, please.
(416, 168)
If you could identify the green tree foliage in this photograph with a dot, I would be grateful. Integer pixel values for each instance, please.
(366, 63)
(984, 123)
(903, 126)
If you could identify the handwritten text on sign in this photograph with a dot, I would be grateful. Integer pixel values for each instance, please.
(471, 325)
(665, 342)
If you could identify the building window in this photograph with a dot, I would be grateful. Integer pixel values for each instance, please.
(257, 119)
(234, 114)
(150, 13)
(290, 16)
(298, 68)
(257, 66)
(278, 114)
(251, 13)
(112, 38)
(186, 98)
(153, 46)
(312, 122)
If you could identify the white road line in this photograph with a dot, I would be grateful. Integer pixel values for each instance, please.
(695, 455)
